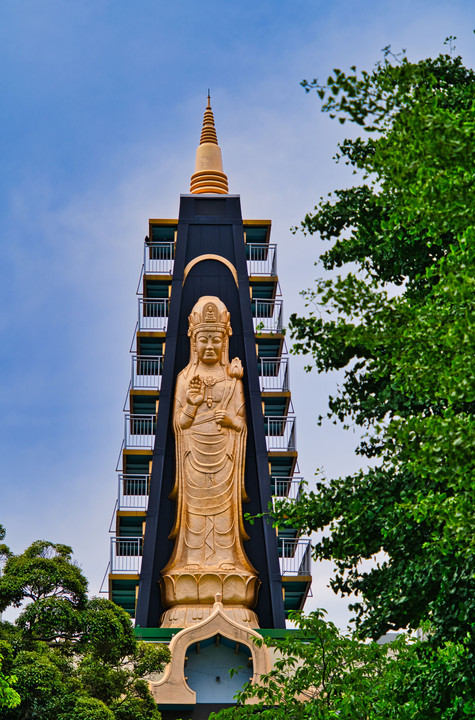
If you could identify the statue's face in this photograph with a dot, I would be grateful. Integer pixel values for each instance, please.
(209, 346)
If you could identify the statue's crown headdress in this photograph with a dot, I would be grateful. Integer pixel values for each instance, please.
(209, 313)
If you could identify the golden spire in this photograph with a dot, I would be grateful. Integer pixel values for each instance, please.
(208, 176)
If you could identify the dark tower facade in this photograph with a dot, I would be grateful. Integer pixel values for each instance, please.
(210, 251)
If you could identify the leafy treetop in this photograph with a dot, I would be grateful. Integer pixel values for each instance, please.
(70, 655)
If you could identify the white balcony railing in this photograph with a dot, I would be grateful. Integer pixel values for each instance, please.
(286, 488)
(261, 259)
(158, 258)
(147, 372)
(139, 431)
(267, 315)
(273, 374)
(280, 432)
(126, 555)
(133, 492)
(153, 314)
(295, 557)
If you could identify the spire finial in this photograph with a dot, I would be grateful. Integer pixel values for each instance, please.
(208, 176)
(208, 133)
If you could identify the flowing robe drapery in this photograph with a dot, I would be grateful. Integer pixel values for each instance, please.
(209, 491)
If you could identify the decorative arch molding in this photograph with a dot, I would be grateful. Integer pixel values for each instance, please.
(172, 688)
(209, 256)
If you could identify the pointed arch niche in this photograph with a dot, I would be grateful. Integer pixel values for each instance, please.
(205, 652)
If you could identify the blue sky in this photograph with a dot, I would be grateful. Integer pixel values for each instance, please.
(101, 110)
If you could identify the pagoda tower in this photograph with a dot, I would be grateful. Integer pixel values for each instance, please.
(209, 437)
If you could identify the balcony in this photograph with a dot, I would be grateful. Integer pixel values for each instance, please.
(295, 557)
(158, 258)
(126, 555)
(280, 432)
(147, 372)
(267, 315)
(133, 492)
(273, 374)
(139, 431)
(261, 259)
(153, 315)
(286, 488)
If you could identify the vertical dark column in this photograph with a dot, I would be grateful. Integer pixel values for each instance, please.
(210, 226)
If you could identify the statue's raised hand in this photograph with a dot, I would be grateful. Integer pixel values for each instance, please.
(195, 391)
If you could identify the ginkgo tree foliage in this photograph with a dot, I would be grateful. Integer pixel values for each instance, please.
(396, 315)
(393, 310)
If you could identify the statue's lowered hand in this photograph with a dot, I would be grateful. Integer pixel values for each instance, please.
(223, 418)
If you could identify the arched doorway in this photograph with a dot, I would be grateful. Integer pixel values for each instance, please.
(207, 669)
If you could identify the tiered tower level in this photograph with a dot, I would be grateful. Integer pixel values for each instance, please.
(207, 272)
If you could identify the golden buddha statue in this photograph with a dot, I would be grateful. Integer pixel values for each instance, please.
(209, 420)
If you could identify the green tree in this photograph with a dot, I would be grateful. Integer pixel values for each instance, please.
(72, 656)
(407, 352)
(394, 309)
(44, 571)
(9, 698)
(319, 674)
